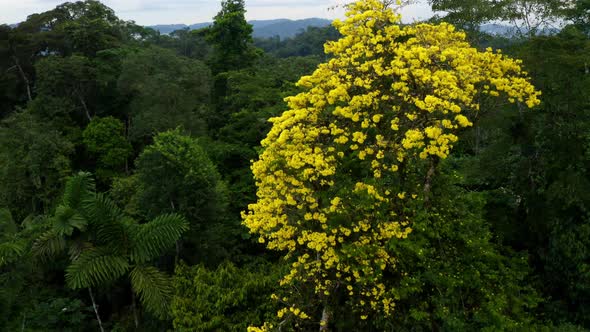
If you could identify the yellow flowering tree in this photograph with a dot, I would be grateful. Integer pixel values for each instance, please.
(330, 189)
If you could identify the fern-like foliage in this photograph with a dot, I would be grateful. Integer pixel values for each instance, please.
(11, 251)
(152, 239)
(67, 219)
(77, 247)
(49, 244)
(103, 243)
(154, 288)
(95, 266)
(7, 225)
(79, 189)
(106, 220)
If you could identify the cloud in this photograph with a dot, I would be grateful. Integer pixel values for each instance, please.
(150, 12)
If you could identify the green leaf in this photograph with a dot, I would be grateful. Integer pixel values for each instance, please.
(106, 218)
(7, 225)
(94, 267)
(11, 251)
(49, 244)
(154, 288)
(79, 189)
(66, 219)
(77, 248)
(150, 240)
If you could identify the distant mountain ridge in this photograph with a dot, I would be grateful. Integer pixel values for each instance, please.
(496, 29)
(508, 31)
(286, 28)
(283, 28)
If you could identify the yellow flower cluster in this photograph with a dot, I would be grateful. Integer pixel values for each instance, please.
(389, 93)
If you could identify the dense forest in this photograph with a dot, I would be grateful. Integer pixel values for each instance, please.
(367, 176)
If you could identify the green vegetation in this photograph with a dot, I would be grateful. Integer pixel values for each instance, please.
(126, 176)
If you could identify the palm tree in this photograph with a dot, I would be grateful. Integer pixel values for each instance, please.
(12, 246)
(104, 245)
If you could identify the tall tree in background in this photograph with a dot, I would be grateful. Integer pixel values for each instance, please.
(231, 37)
(68, 80)
(526, 17)
(579, 13)
(34, 163)
(175, 175)
(469, 14)
(9, 75)
(163, 92)
(105, 141)
(536, 177)
(89, 26)
(83, 27)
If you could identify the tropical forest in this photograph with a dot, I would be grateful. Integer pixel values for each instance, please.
(374, 174)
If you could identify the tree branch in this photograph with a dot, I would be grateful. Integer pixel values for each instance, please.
(428, 181)
(95, 309)
(24, 77)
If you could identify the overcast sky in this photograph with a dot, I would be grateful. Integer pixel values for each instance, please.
(150, 12)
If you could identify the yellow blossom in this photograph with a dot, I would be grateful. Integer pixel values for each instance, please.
(394, 93)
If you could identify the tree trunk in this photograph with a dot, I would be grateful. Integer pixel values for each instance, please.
(477, 139)
(177, 257)
(325, 320)
(428, 180)
(24, 322)
(85, 107)
(127, 123)
(24, 77)
(95, 309)
(134, 307)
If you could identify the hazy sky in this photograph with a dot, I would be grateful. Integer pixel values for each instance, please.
(149, 12)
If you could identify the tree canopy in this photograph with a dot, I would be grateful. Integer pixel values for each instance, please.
(374, 175)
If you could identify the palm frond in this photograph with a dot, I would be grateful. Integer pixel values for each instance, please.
(106, 219)
(67, 219)
(32, 222)
(95, 266)
(11, 251)
(7, 225)
(49, 244)
(77, 248)
(152, 239)
(154, 288)
(79, 188)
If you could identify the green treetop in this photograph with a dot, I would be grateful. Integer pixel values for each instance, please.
(231, 36)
